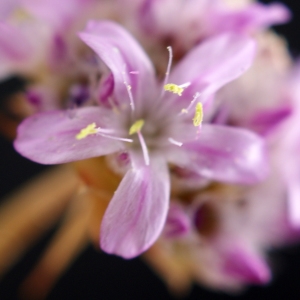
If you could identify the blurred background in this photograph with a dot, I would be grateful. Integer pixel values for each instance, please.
(95, 275)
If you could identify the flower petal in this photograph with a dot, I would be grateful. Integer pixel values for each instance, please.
(213, 63)
(123, 55)
(50, 138)
(13, 43)
(225, 154)
(293, 202)
(253, 17)
(178, 222)
(136, 215)
(247, 267)
(6, 7)
(59, 14)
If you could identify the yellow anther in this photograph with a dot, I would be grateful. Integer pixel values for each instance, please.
(174, 88)
(197, 120)
(136, 126)
(88, 130)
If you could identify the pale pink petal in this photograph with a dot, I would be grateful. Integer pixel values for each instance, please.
(125, 58)
(137, 213)
(50, 137)
(212, 64)
(226, 154)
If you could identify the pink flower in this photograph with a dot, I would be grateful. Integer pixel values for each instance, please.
(259, 100)
(154, 126)
(185, 23)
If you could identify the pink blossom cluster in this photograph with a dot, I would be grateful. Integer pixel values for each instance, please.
(194, 105)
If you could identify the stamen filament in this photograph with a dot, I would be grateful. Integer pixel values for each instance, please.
(105, 130)
(116, 138)
(144, 148)
(128, 88)
(91, 130)
(184, 85)
(169, 48)
(186, 110)
(172, 141)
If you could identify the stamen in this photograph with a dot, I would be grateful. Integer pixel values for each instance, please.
(169, 48)
(88, 130)
(176, 89)
(173, 88)
(172, 141)
(105, 130)
(185, 85)
(144, 148)
(197, 120)
(91, 129)
(128, 88)
(169, 64)
(136, 126)
(186, 110)
(116, 138)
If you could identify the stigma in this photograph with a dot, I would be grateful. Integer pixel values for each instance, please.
(198, 117)
(88, 130)
(136, 126)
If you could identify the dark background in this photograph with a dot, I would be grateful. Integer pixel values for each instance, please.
(96, 275)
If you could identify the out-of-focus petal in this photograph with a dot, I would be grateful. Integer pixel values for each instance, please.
(59, 14)
(226, 154)
(267, 120)
(22, 47)
(50, 138)
(247, 267)
(294, 202)
(6, 7)
(13, 44)
(212, 64)
(136, 215)
(253, 17)
(178, 222)
(125, 58)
